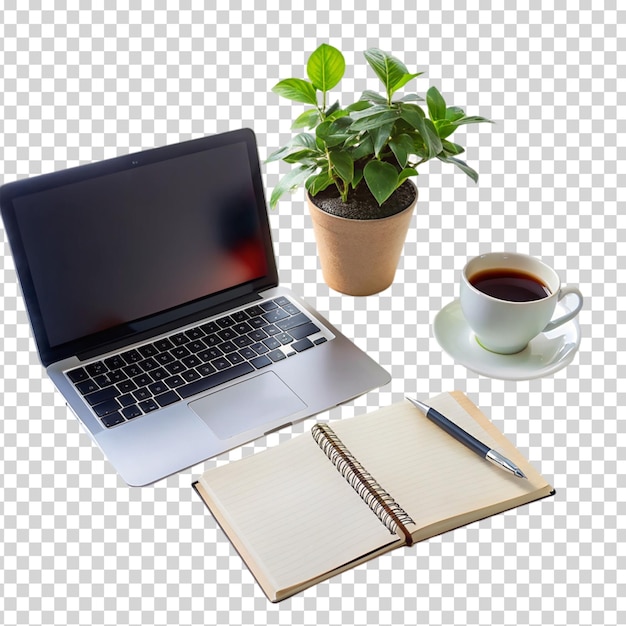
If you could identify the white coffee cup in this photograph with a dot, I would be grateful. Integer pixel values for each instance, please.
(504, 325)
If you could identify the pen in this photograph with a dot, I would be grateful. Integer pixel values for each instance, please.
(468, 440)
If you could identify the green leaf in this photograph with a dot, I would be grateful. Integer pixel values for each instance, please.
(325, 67)
(365, 148)
(343, 164)
(380, 137)
(472, 119)
(290, 181)
(432, 138)
(404, 80)
(302, 140)
(419, 146)
(372, 96)
(277, 155)
(411, 97)
(452, 148)
(318, 182)
(332, 133)
(305, 157)
(308, 119)
(359, 105)
(405, 173)
(375, 120)
(381, 178)
(391, 71)
(323, 130)
(401, 146)
(357, 178)
(341, 121)
(444, 128)
(332, 109)
(436, 104)
(414, 115)
(296, 89)
(462, 165)
(371, 110)
(454, 113)
(340, 114)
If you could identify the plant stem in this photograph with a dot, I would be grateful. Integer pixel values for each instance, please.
(322, 110)
(343, 192)
(347, 189)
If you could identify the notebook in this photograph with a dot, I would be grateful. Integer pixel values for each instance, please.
(349, 491)
(152, 291)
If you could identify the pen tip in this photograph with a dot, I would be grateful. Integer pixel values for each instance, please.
(520, 474)
(420, 405)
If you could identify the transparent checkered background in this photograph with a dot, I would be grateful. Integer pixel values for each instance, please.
(76, 85)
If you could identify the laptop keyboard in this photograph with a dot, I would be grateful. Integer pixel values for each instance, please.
(154, 375)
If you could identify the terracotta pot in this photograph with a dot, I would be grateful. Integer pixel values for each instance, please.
(359, 257)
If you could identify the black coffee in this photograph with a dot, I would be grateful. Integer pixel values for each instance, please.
(509, 284)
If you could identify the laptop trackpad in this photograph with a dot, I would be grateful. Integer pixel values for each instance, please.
(247, 405)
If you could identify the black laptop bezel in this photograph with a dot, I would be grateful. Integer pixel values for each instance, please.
(123, 334)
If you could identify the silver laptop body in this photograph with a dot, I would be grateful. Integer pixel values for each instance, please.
(152, 292)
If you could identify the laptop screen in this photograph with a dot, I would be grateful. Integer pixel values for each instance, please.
(103, 251)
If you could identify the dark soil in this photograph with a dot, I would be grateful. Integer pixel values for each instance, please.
(362, 205)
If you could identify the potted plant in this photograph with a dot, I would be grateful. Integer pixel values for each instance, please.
(356, 163)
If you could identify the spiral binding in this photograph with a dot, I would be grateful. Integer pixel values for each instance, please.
(388, 511)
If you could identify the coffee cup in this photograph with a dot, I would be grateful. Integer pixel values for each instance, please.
(508, 298)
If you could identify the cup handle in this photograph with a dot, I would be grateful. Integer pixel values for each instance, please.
(570, 314)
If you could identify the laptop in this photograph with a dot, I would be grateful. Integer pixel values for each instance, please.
(152, 291)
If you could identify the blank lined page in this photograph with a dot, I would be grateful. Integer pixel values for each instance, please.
(295, 516)
(431, 475)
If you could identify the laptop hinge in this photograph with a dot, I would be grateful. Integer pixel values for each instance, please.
(142, 335)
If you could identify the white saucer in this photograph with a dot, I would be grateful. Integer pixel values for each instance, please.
(545, 354)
